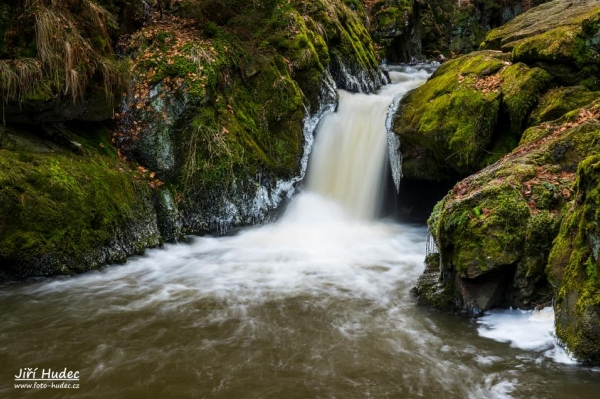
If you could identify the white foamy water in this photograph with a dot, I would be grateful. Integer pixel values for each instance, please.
(316, 248)
(527, 330)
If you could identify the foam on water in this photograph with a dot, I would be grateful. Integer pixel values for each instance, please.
(526, 330)
(316, 248)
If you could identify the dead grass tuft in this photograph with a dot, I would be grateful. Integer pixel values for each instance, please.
(66, 59)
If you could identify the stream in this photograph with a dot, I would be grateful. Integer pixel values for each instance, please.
(316, 305)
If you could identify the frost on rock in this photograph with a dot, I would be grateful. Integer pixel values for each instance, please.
(394, 143)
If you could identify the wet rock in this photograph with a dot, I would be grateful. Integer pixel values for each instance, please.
(574, 267)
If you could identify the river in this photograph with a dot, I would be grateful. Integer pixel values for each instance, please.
(316, 305)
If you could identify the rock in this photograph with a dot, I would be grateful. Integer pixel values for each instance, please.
(574, 267)
(226, 130)
(410, 30)
(215, 130)
(561, 36)
(495, 229)
(64, 213)
(557, 102)
(454, 124)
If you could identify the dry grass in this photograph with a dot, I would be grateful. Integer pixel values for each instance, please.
(65, 58)
(18, 77)
(8, 80)
(200, 56)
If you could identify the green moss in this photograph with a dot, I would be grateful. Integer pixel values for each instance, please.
(506, 218)
(521, 88)
(575, 265)
(557, 102)
(58, 208)
(533, 134)
(560, 44)
(449, 116)
(254, 127)
(565, 45)
(482, 241)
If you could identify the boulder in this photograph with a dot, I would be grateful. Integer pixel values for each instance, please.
(574, 267)
(495, 229)
(467, 115)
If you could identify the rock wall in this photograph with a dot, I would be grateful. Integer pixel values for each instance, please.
(409, 30)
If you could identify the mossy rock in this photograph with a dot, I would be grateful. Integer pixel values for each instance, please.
(217, 113)
(454, 124)
(521, 89)
(557, 102)
(561, 36)
(574, 267)
(540, 19)
(495, 229)
(63, 212)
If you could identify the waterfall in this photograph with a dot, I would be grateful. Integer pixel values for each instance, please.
(348, 163)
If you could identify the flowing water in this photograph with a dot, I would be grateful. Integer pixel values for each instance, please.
(316, 305)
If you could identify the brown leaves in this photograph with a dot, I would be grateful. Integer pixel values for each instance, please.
(584, 116)
(489, 84)
(153, 182)
(563, 181)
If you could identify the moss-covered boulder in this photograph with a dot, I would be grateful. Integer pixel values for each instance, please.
(470, 112)
(574, 267)
(562, 36)
(557, 102)
(67, 204)
(494, 230)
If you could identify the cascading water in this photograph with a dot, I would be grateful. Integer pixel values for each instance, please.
(315, 305)
(348, 163)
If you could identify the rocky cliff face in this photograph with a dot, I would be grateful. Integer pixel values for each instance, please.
(212, 132)
(519, 232)
(411, 30)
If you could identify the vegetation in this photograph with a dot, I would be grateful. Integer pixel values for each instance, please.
(54, 48)
(574, 270)
(504, 219)
(64, 212)
(455, 123)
